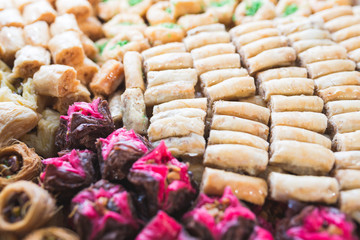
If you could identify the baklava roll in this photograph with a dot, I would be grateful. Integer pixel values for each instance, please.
(81, 94)
(348, 178)
(108, 79)
(162, 49)
(92, 28)
(4, 4)
(24, 206)
(164, 33)
(206, 38)
(11, 17)
(250, 27)
(52, 232)
(346, 33)
(345, 122)
(184, 112)
(331, 13)
(338, 79)
(39, 11)
(216, 27)
(133, 70)
(183, 7)
(291, 8)
(355, 56)
(63, 23)
(134, 110)
(115, 107)
(155, 78)
(298, 24)
(66, 48)
(231, 89)
(312, 121)
(212, 50)
(344, 106)
(284, 187)
(241, 138)
(250, 37)
(322, 53)
(284, 72)
(168, 92)
(318, 6)
(254, 11)
(18, 162)
(169, 61)
(351, 44)
(11, 40)
(190, 21)
(80, 8)
(211, 78)
(347, 160)
(287, 87)
(55, 80)
(349, 203)
(257, 99)
(28, 61)
(279, 133)
(347, 141)
(304, 45)
(37, 34)
(86, 71)
(90, 49)
(301, 103)
(123, 22)
(349, 92)
(322, 68)
(250, 189)
(160, 12)
(222, 61)
(254, 48)
(242, 110)
(309, 34)
(221, 122)
(277, 57)
(176, 126)
(301, 158)
(200, 103)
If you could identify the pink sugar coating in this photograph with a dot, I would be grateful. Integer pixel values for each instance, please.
(69, 162)
(261, 234)
(87, 109)
(121, 135)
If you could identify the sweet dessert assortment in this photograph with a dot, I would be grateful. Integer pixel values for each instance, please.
(179, 119)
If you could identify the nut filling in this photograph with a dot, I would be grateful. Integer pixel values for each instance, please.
(10, 164)
(17, 207)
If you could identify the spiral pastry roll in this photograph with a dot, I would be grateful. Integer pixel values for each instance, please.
(52, 233)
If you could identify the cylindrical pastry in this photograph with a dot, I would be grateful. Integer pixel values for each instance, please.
(168, 61)
(81, 94)
(63, 23)
(159, 12)
(25, 206)
(39, 11)
(52, 232)
(349, 203)
(322, 53)
(115, 107)
(37, 34)
(185, 112)
(164, 33)
(222, 61)
(250, 27)
(206, 38)
(92, 27)
(212, 50)
(345, 122)
(250, 37)
(351, 44)
(349, 92)
(254, 11)
(338, 79)
(284, 72)
(322, 68)
(254, 48)
(133, 70)
(347, 141)
(211, 78)
(86, 71)
(280, 103)
(306, 44)
(80, 8)
(344, 106)
(309, 34)
(348, 178)
(155, 78)
(339, 23)
(12, 40)
(200, 103)
(191, 21)
(11, 17)
(162, 49)
(347, 160)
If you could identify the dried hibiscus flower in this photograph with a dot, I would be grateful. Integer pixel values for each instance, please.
(69, 173)
(316, 222)
(104, 211)
(84, 123)
(119, 151)
(162, 183)
(216, 218)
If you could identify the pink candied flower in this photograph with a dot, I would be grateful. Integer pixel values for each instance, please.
(261, 234)
(86, 109)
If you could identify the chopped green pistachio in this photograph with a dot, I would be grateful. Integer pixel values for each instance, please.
(169, 25)
(220, 3)
(168, 10)
(120, 43)
(169, 35)
(101, 47)
(233, 18)
(253, 7)
(134, 2)
(290, 9)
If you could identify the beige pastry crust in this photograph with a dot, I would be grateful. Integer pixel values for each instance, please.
(58, 232)
(348, 178)
(347, 141)
(86, 71)
(351, 44)
(190, 21)
(211, 78)
(346, 33)
(222, 61)
(37, 34)
(63, 23)
(169, 61)
(92, 27)
(303, 45)
(349, 92)
(344, 106)
(162, 49)
(123, 22)
(133, 70)
(164, 33)
(11, 17)
(254, 48)
(185, 112)
(206, 38)
(345, 122)
(322, 68)
(200, 103)
(250, 37)
(216, 27)
(115, 107)
(309, 34)
(12, 40)
(155, 78)
(212, 50)
(338, 79)
(39, 11)
(81, 94)
(301, 103)
(250, 27)
(331, 13)
(284, 72)
(80, 8)
(339, 23)
(322, 53)
(347, 160)
(257, 99)
(349, 203)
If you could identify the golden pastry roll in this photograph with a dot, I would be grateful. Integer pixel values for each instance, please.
(80, 8)
(36, 205)
(164, 33)
(331, 13)
(214, 77)
(284, 187)
(242, 110)
(91, 27)
(338, 79)
(347, 141)
(66, 48)
(283, 72)
(206, 38)
(18, 163)
(277, 57)
(279, 133)
(312, 121)
(350, 204)
(347, 160)
(355, 56)
(247, 188)
(287, 87)
(348, 178)
(230, 123)
(115, 107)
(90, 49)
(301, 103)
(28, 60)
(134, 110)
(191, 21)
(322, 68)
(155, 78)
(250, 37)
(233, 137)
(348, 92)
(30, 101)
(351, 44)
(159, 12)
(339, 23)
(212, 50)
(250, 27)
(263, 11)
(223, 11)
(123, 22)
(346, 33)
(37, 34)
(303, 45)
(4, 4)
(309, 34)
(168, 61)
(192, 145)
(235, 157)
(200, 103)
(39, 11)
(81, 94)
(343, 106)
(55, 80)
(216, 27)
(231, 89)
(86, 71)
(133, 70)
(345, 122)
(175, 47)
(168, 92)
(185, 112)
(258, 100)
(11, 17)
(63, 23)
(12, 40)
(301, 158)
(55, 232)
(299, 24)
(183, 7)
(322, 53)
(254, 48)
(176, 126)
(222, 61)
(107, 10)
